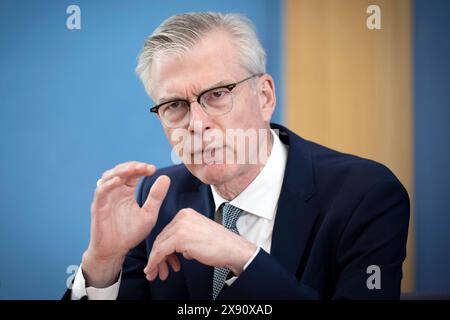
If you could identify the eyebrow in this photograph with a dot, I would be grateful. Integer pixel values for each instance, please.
(173, 98)
(168, 99)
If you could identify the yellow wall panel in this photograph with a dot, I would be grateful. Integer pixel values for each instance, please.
(349, 87)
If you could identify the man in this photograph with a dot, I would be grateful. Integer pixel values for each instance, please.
(305, 222)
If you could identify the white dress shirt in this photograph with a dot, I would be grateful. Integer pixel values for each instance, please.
(259, 202)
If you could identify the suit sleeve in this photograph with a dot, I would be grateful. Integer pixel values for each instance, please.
(134, 285)
(372, 247)
(266, 279)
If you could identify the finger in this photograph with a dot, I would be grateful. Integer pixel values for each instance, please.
(163, 270)
(131, 175)
(132, 181)
(174, 262)
(187, 256)
(151, 274)
(159, 253)
(123, 165)
(168, 231)
(176, 224)
(171, 232)
(156, 195)
(108, 174)
(136, 172)
(184, 219)
(102, 191)
(129, 169)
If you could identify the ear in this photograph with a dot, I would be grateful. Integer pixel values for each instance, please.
(266, 94)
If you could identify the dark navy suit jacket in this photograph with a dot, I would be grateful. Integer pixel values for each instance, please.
(337, 215)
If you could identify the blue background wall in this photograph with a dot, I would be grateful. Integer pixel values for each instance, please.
(70, 108)
(432, 145)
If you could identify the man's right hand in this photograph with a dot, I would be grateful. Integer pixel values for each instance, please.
(118, 223)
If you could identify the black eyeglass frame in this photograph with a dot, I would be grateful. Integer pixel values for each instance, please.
(229, 87)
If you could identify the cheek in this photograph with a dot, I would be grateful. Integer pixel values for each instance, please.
(169, 135)
(175, 136)
(266, 114)
(176, 141)
(247, 113)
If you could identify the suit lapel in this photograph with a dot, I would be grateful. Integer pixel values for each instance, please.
(198, 276)
(293, 225)
(295, 216)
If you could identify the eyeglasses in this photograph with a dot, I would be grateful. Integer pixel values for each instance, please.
(216, 101)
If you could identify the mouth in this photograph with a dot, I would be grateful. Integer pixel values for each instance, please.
(207, 156)
(208, 150)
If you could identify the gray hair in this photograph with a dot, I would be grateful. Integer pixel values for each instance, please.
(181, 32)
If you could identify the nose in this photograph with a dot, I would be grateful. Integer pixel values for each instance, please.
(199, 120)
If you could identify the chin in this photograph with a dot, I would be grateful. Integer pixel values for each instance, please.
(212, 174)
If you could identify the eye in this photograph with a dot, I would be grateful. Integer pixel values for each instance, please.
(216, 95)
(219, 93)
(175, 105)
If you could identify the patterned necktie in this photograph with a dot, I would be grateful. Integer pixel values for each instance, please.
(230, 214)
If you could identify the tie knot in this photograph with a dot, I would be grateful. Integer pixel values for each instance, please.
(230, 214)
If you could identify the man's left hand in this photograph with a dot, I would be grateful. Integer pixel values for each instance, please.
(199, 238)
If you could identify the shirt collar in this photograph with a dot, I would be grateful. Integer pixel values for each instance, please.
(261, 195)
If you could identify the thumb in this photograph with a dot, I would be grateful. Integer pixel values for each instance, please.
(156, 196)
